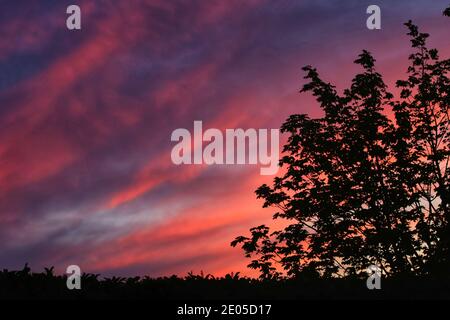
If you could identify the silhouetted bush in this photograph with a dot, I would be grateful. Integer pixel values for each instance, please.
(24, 284)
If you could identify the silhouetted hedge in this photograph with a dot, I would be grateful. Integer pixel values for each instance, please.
(25, 284)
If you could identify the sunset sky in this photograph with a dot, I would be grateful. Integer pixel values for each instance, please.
(86, 116)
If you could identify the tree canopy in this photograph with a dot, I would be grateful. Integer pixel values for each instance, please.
(367, 183)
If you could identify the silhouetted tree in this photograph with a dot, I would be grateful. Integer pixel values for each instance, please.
(368, 183)
(447, 12)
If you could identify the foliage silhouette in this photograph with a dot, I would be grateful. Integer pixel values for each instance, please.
(24, 284)
(368, 183)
